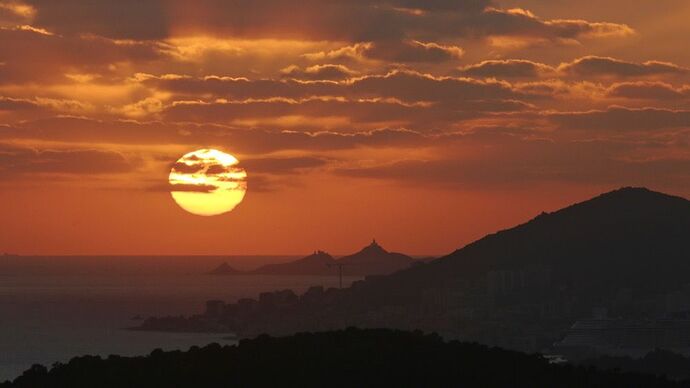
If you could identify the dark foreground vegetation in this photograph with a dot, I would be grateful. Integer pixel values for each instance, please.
(659, 362)
(347, 358)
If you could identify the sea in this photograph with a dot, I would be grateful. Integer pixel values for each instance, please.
(56, 308)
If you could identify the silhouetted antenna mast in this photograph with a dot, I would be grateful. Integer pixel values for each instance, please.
(340, 271)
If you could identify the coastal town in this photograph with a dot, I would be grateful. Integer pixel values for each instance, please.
(537, 307)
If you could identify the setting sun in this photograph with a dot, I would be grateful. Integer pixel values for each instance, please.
(207, 182)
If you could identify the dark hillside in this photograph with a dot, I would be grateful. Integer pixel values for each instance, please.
(631, 237)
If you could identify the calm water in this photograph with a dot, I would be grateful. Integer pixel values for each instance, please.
(47, 317)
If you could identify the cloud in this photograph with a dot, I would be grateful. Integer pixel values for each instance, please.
(84, 131)
(168, 187)
(508, 68)
(460, 174)
(587, 67)
(32, 56)
(146, 107)
(265, 174)
(184, 168)
(315, 112)
(399, 98)
(319, 72)
(411, 51)
(216, 169)
(13, 13)
(314, 86)
(391, 50)
(519, 24)
(593, 66)
(405, 85)
(622, 119)
(16, 161)
(440, 5)
(200, 188)
(575, 28)
(642, 90)
(338, 113)
(350, 53)
(239, 87)
(344, 21)
(16, 109)
(15, 104)
(520, 163)
(283, 165)
(125, 19)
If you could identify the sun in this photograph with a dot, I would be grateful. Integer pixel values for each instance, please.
(207, 182)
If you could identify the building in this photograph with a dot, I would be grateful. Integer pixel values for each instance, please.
(626, 337)
(214, 308)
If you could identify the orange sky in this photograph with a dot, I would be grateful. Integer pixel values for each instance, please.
(425, 124)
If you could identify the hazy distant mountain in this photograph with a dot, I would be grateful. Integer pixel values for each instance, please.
(374, 260)
(318, 263)
(371, 260)
(225, 269)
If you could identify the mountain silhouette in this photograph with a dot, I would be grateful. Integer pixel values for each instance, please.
(629, 245)
(626, 251)
(629, 238)
(224, 269)
(317, 263)
(374, 260)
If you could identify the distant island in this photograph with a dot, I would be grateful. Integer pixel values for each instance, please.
(370, 260)
(609, 275)
(346, 358)
(318, 263)
(225, 269)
